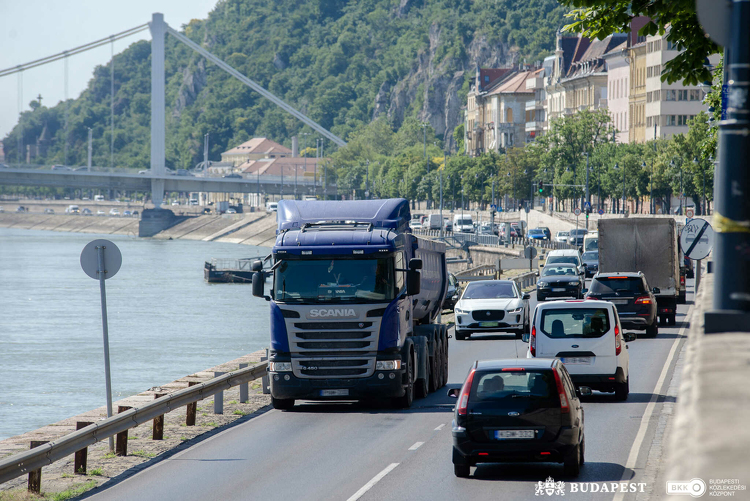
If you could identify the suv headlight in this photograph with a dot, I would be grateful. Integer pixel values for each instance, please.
(575, 283)
(460, 311)
(387, 365)
(280, 366)
(542, 284)
(516, 310)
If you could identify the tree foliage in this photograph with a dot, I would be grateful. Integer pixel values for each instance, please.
(601, 18)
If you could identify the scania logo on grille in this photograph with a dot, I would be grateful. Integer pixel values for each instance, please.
(361, 325)
(332, 313)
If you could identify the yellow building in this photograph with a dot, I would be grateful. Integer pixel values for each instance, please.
(637, 108)
(255, 149)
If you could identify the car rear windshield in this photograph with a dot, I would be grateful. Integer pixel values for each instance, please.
(562, 259)
(607, 285)
(578, 232)
(505, 385)
(575, 322)
(536, 232)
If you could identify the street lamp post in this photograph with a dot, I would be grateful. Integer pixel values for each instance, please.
(651, 188)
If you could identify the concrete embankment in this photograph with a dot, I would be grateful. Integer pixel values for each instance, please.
(248, 229)
(142, 450)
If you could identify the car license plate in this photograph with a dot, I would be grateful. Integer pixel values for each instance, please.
(619, 301)
(334, 393)
(558, 289)
(577, 360)
(513, 434)
(488, 324)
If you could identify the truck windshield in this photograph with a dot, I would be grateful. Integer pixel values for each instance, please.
(335, 280)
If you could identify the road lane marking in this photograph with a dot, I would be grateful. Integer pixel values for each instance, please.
(416, 446)
(633, 456)
(372, 482)
(440, 427)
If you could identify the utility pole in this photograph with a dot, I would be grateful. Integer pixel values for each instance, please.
(588, 195)
(91, 149)
(442, 223)
(367, 182)
(296, 168)
(731, 292)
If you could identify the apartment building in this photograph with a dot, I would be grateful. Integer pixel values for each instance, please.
(536, 108)
(618, 78)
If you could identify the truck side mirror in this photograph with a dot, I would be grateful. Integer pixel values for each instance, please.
(526, 296)
(413, 282)
(257, 265)
(415, 264)
(259, 282)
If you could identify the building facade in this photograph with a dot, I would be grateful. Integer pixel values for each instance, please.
(255, 149)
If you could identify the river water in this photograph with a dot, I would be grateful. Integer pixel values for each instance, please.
(165, 321)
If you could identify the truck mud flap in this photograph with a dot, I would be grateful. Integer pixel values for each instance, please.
(422, 352)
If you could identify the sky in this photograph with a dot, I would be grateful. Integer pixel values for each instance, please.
(33, 29)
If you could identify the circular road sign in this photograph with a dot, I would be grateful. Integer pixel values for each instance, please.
(529, 252)
(577, 211)
(90, 258)
(697, 239)
(689, 212)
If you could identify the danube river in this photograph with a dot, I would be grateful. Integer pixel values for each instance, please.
(165, 321)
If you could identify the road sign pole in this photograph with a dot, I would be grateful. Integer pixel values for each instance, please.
(105, 330)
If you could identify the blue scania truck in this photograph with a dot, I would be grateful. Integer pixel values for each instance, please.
(354, 298)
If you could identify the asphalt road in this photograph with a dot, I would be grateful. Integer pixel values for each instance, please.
(342, 451)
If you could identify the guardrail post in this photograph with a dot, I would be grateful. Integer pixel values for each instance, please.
(158, 428)
(81, 457)
(243, 389)
(265, 382)
(35, 476)
(121, 440)
(219, 397)
(191, 408)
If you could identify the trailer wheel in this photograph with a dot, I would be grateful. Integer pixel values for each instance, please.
(652, 330)
(435, 365)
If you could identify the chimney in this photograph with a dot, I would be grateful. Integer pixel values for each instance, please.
(295, 147)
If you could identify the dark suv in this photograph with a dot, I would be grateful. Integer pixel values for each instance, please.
(629, 292)
(518, 410)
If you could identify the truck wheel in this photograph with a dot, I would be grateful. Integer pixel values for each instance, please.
(421, 386)
(652, 330)
(283, 404)
(434, 368)
(405, 401)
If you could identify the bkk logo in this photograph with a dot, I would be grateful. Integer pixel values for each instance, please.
(332, 312)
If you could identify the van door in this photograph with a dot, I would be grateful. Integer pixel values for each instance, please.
(582, 335)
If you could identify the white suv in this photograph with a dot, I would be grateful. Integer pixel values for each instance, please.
(588, 338)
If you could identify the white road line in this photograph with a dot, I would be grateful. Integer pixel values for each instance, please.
(372, 482)
(416, 446)
(440, 427)
(633, 456)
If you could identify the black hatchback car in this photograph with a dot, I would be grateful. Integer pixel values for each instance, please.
(629, 292)
(560, 280)
(515, 410)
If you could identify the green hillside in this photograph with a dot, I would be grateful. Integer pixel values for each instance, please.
(342, 63)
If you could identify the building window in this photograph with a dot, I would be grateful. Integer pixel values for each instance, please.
(682, 119)
(670, 95)
(682, 95)
(670, 120)
(486, 79)
(672, 46)
(695, 95)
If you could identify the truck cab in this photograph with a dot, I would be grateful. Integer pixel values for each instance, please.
(352, 295)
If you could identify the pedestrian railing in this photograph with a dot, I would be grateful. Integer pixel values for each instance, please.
(34, 459)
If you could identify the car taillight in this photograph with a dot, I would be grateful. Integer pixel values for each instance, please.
(618, 342)
(643, 300)
(682, 279)
(564, 407)
(532, 341)
(463, 398)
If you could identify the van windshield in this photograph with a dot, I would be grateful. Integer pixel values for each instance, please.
(575, 322)
(464, 221)
(562, 260)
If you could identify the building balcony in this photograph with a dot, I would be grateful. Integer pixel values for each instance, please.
(534, 105)
(535, 126)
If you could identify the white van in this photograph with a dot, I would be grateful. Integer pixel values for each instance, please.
(272, 206)
(566, 256)
(591, 241)
(588, 338)
(72, 209)
(98, 198)
(434, 222)
(463, 224)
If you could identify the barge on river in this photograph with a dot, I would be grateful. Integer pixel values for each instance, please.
(230, 270)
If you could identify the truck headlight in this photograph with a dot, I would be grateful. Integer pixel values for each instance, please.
(387, 365)
(280, 366)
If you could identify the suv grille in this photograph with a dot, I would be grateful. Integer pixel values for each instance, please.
(480, 315)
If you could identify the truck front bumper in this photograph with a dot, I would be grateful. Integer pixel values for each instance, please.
(382, 384)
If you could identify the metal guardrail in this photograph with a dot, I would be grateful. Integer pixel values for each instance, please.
(527, 279)
(493, 240)
(25, 462)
